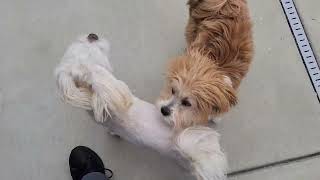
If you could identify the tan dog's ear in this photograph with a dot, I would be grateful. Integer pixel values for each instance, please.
(227, 80)
(227, 98)
(232, 96)
(230, 99)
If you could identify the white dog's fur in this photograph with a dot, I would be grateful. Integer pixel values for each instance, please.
(84, 79)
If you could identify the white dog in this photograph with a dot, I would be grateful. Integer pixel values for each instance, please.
(84, 79)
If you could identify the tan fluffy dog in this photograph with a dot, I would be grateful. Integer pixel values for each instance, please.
(203, 83)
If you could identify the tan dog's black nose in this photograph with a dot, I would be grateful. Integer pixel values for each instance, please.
(93, 37)
(165, 111)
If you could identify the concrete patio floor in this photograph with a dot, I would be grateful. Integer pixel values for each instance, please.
(278, 116)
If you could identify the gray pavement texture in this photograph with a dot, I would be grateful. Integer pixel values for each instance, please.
(278, 116)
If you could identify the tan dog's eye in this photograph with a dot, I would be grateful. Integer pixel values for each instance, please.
(173, 91)
(186, 103)
(216, 109)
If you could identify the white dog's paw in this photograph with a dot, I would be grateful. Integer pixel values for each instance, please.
(112, 133)
(215, 120)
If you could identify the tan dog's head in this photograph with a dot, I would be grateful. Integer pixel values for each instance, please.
(195, 89)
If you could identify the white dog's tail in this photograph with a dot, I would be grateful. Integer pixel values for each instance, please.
(201, 146)
(70, 93)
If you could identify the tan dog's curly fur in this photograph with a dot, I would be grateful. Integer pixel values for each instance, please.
(203, 82)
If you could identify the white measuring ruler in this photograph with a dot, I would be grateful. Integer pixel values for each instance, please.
(303, 43)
